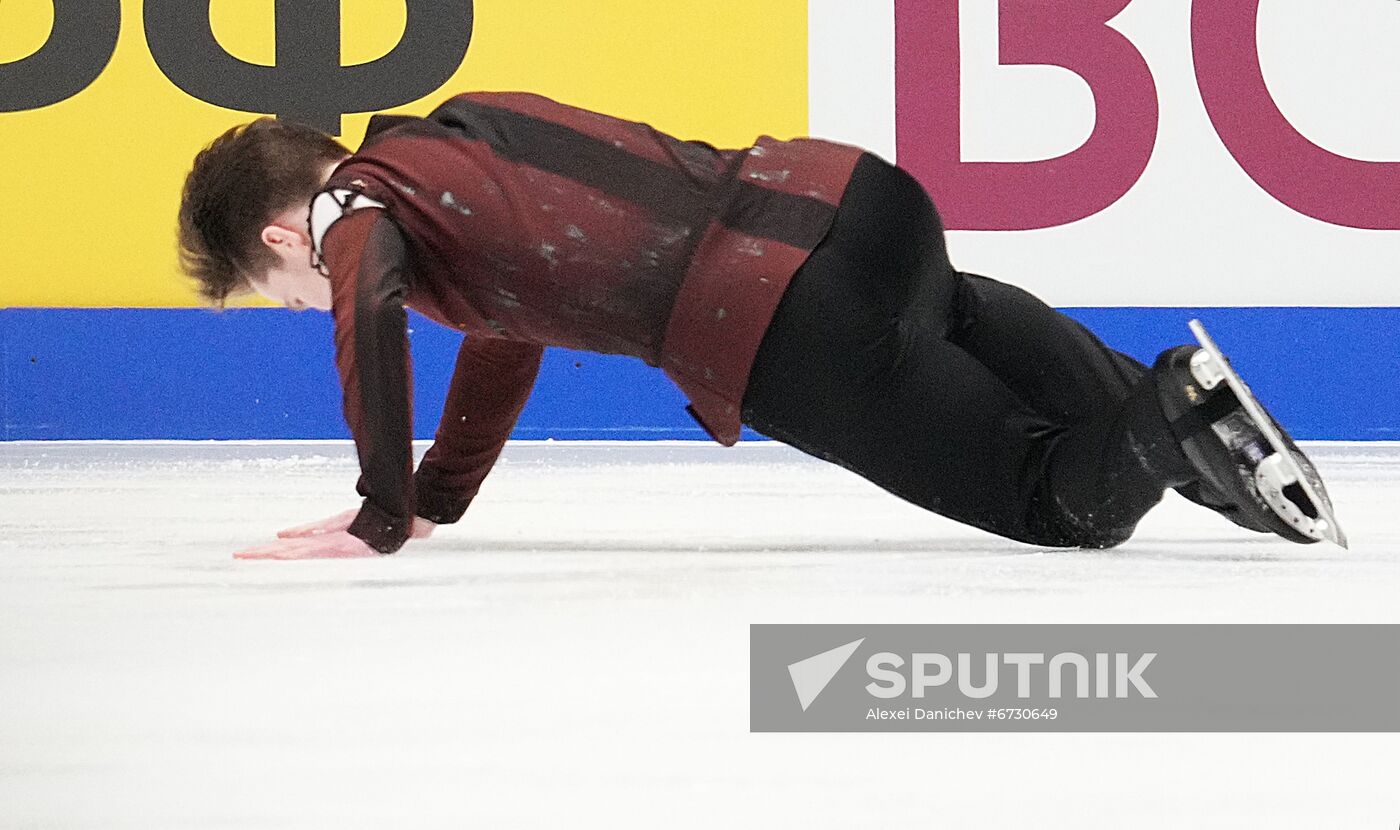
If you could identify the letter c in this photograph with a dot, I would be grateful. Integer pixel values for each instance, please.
(1289, 167)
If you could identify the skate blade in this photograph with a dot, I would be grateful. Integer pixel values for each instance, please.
(1281, 481)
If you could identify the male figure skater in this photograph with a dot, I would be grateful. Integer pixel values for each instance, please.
(800, 287)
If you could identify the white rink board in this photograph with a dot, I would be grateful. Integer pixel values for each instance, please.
(576, 653)
(1195, 230)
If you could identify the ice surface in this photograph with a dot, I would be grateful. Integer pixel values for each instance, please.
(575, 653)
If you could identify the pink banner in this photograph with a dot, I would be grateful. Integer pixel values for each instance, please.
(1081, 183)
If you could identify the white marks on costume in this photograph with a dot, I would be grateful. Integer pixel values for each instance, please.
(506, 299)
(576, 233)
(604, 205)
(450, 201)
(771, 175)
(403, 188)
(670, 236)
(751, 247)
(549, 253)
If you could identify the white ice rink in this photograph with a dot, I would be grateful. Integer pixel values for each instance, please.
(575, 653)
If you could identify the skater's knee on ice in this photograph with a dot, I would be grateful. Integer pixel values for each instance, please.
(1062, 530)
(1084, 540)
(1104, 541)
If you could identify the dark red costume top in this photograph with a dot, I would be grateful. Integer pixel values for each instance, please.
(526, 223)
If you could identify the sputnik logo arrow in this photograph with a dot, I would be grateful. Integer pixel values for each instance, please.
(811, 676)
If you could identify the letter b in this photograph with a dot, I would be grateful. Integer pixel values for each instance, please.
(1023, 195)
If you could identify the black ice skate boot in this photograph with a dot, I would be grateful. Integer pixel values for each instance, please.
(1248, 468)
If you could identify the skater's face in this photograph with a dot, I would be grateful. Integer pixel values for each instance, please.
(293, 282)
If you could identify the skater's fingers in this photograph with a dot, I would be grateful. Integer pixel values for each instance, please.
(302, 531)
(339, 545)
(339, 521)
(316, 528)
(255, 554)
(282, 549)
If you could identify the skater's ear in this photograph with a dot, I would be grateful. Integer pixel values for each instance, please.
(283, 240)
(276, 236)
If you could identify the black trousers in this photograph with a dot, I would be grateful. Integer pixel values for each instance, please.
(961, 394)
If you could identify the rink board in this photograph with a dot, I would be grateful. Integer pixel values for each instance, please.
(1191, 180)
(130, 374)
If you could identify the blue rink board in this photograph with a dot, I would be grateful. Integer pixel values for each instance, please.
(1327, 373)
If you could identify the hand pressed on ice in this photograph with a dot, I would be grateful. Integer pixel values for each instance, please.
(327, 545)
(422, 528)
(325, 539)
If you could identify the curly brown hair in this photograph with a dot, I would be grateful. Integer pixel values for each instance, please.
(238, 184)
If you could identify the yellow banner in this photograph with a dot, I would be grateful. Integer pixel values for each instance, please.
(91, 183)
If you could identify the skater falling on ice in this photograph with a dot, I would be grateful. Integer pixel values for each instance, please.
(799, 287)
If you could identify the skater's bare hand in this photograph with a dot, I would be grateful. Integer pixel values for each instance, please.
(334, 524)
(422, 528)
(332, 545)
